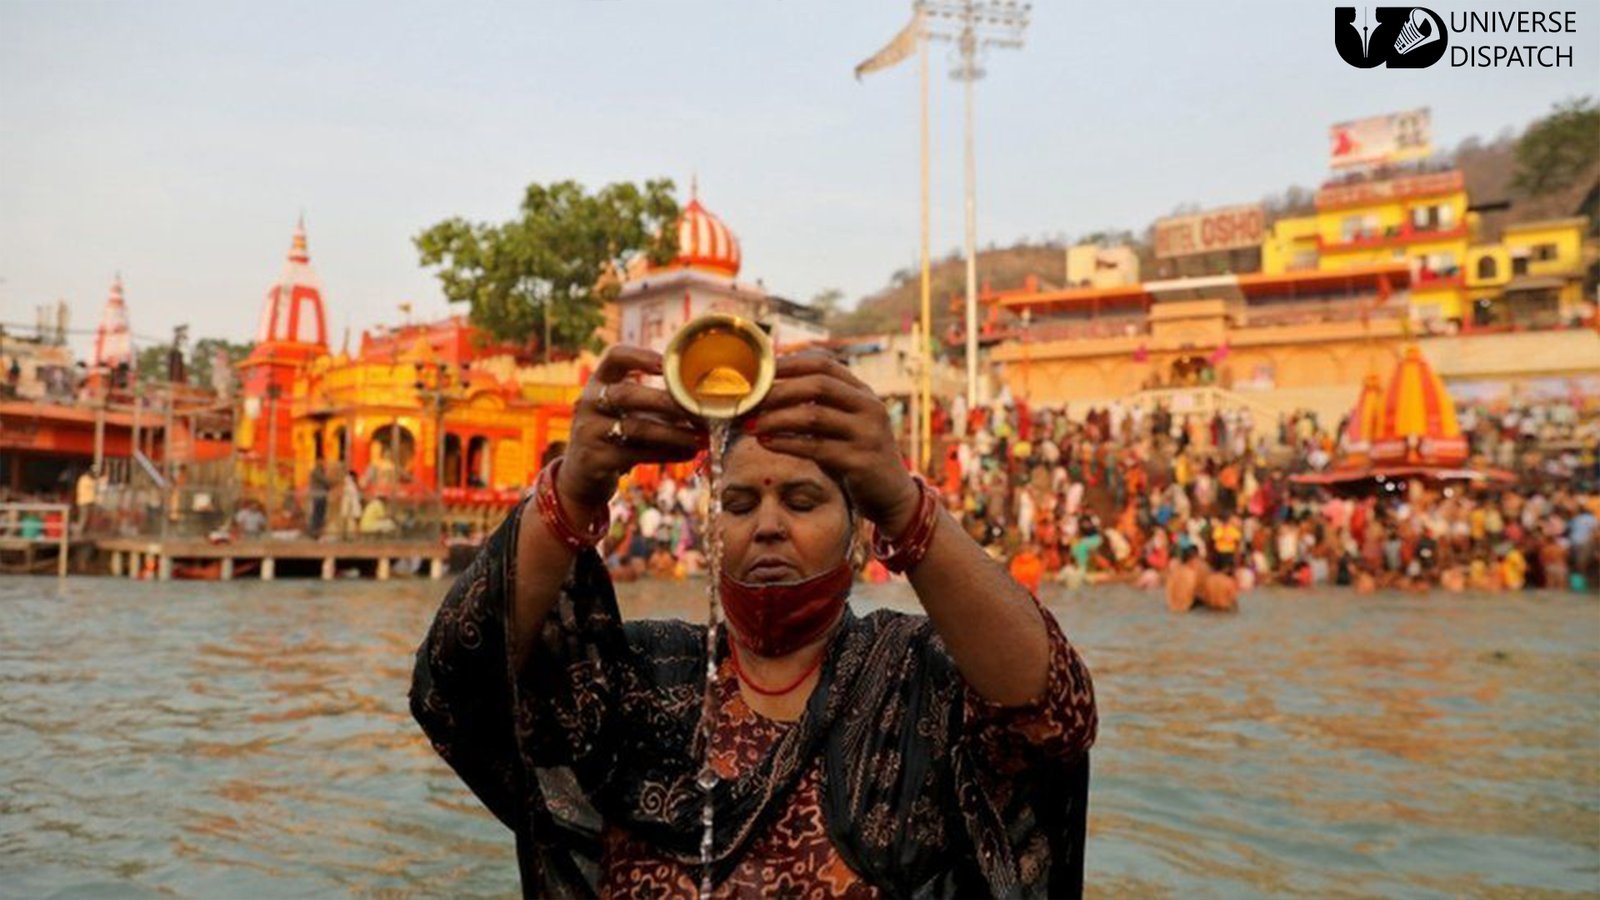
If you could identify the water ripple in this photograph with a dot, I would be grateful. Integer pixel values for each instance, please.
(253, 739)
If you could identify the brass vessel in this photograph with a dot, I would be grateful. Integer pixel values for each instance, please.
(719, 366)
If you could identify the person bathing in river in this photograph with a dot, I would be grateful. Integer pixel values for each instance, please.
(879, 755)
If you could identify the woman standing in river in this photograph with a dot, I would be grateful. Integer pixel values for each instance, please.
(881, 755)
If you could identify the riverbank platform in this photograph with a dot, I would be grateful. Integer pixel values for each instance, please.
(28, 528)
(197, 558)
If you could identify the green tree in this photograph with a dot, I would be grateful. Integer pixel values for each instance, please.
(204, 353)
(1558, 149)
(543, 269)
(151, 362)
(828, 303)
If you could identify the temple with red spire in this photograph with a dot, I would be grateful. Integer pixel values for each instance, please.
(434, 412)
(113, 342)
(655, 301)
(292, 333)
(704, 242)
(293, 312)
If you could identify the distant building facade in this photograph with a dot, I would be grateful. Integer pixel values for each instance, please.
(1382, 264)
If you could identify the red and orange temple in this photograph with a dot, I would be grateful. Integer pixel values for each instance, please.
(416, 412)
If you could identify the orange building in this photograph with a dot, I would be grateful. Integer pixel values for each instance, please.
(1387, 256)
(439, 410)
(1275, 342)
(424, 411)
(52, 429)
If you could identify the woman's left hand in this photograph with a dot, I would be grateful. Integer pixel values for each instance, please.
(819, 410)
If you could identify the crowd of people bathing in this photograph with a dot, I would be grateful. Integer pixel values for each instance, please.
(1204, 504)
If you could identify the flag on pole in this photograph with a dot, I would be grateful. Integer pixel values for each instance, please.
(899, 47)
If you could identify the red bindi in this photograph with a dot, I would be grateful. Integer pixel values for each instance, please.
(766, 482)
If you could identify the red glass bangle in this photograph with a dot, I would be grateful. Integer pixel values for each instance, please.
(905, 552)
(548, 503)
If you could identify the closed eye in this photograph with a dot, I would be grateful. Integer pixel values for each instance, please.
(803, 497)
(739, 502)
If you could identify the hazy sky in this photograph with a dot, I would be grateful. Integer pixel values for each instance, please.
(177, 142)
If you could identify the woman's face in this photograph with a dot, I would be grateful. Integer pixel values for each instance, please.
(782, 518)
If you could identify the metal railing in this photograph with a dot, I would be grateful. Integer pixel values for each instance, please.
(228, 512)
(29, 526)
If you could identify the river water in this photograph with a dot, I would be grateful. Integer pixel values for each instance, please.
(252, 740)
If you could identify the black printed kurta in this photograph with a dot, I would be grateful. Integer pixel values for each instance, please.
(917, 785)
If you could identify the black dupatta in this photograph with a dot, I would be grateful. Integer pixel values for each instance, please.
(599, 728)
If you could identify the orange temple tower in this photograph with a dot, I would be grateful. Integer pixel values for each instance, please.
(293, 332)
(1365, 421)
(1418, 424)
(1406, 429)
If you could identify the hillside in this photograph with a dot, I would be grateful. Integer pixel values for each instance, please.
(1489, 168)
(894, 307)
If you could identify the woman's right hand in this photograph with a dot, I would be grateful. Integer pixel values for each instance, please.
(618, 423)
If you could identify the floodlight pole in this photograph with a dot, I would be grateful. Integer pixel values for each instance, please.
(968, 73)
(974, 24)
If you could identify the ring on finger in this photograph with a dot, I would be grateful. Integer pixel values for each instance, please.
(603, 403)
(615, 433)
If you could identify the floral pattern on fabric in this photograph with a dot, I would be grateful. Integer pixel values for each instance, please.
(595, 738)
(794, 858)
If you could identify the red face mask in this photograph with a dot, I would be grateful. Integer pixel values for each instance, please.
(778, 619)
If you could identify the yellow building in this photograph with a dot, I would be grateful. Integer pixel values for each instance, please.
(420, 413)
(1383, 262)
(1421, 220)
(1338, 300)
(1532, 278)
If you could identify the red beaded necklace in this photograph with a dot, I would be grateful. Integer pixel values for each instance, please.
(733, 656)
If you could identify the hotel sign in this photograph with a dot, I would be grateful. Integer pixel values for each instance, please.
(1370, 193)
(1230, 228)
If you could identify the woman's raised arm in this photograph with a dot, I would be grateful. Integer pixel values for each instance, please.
(617, 424)
(990, 624)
